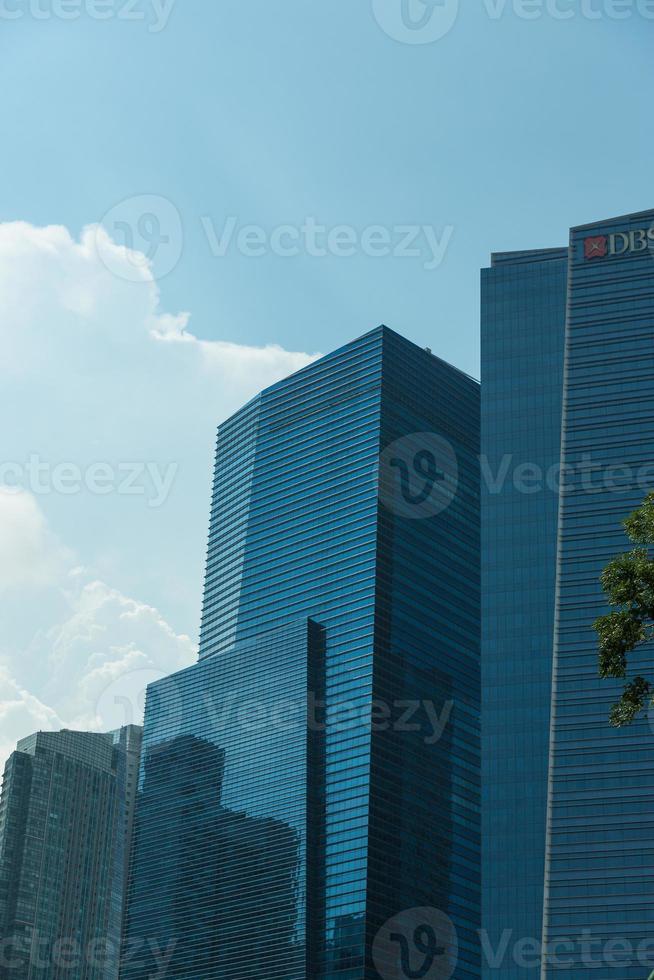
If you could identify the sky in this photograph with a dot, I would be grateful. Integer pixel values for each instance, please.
(197, 197)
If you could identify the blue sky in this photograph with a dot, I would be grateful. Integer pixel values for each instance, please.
(512, 126)
(510, 130)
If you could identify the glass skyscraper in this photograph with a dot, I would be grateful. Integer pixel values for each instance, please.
(568, 814)
(599, 880)
(316, 774)
(65, 823)
(522, 334)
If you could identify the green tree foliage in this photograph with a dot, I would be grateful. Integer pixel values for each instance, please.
(628, 582)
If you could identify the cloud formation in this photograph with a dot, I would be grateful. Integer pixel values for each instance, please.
(31, 555)
(89, 669)
(55, 291)
(21, 713)
(95, 372)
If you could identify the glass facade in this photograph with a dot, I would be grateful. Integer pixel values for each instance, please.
(64, 819)
(128, 744)
(424, 839)
(599, 887)
(567, 812)
(372, 807)
(226, 816)
(522, 333)
(294, 533)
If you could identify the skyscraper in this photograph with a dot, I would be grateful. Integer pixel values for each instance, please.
(65, 817)
(599, 898)
(522, 334)
(316, 774)
(567, 360)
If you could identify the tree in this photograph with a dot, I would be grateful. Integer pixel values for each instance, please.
(628, 582)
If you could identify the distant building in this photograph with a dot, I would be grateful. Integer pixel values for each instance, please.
(66, 815)
(128, 741)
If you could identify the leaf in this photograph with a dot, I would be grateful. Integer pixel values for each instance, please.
(631, 703)
(629, 580)
(640, 524)
(619, 633)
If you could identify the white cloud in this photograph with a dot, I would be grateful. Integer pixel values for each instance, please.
(56, 291)
(21, 713)
(89, 670)
(30, 554)
(93, 370)
(110, 643)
